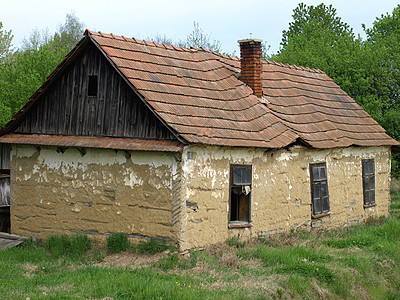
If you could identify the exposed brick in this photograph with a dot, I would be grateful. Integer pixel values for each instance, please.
(250, 59)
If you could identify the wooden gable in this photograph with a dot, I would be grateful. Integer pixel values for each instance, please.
(90, 98)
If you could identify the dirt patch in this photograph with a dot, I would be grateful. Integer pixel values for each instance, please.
(29, 269)
(131, 260)
(47, 290)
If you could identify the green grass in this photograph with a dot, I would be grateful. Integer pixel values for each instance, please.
(361, 261)
(117, 242)
(152, 246)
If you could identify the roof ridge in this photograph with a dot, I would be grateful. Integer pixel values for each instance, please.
(290, 66)
(163, 45)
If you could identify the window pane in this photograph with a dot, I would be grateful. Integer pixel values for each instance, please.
(372, 196)
(237, 176)
(246, 176)
(315, 173)
(324, 191)
(325, 204)
(322, 173)
(366, 183)
(242, 176)
(316, 191)
(317, 206)
(366, 197)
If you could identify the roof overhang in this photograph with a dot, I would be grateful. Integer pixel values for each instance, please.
(92, 142)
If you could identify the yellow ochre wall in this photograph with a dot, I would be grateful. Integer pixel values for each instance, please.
(97, 192)
(280, 196)
(182, 199)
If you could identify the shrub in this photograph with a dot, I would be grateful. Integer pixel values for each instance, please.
(117, 242)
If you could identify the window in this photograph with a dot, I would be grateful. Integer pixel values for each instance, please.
(368, 171)
(319, 190)
(92, 85)
(239, 212)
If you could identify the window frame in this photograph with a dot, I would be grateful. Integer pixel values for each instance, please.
(322, 213)
(238, 223)
(370, 176)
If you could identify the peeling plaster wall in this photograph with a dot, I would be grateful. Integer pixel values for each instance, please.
(281, 196)
(100, 192)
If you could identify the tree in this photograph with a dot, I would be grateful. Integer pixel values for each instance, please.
(367, 70)
(197, 38)
(384, 40)
(317, 38)
(5, 44)
(29, 67)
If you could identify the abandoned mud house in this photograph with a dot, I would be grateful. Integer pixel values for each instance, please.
(190, 146)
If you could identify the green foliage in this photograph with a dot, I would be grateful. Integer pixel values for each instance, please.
(26, 70)
(117, 242)
(74, 247)
(152, 246)
(5, 44)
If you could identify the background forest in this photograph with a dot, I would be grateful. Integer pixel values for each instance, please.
(367, 69)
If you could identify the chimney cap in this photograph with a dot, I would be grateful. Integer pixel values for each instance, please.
(250, 41)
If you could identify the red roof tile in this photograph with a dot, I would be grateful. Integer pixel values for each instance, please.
(197, 93)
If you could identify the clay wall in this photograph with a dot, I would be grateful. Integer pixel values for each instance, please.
(280, 192)
(92, 191)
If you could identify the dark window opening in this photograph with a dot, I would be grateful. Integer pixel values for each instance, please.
(4, 203)
(92, 85)
(368, 171)
(319, 189)
(240, 202)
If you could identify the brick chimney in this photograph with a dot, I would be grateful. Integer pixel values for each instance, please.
(251, 68)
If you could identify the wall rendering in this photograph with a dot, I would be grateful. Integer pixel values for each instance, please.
(280, 189)
(95, 192)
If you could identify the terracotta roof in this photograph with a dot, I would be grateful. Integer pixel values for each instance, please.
(92, 142)
(198, 94)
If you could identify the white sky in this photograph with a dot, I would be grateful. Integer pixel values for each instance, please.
(226, 20)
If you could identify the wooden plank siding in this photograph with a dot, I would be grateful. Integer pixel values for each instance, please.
(66, 109)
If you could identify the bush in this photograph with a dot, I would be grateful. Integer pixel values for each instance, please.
(117, 242)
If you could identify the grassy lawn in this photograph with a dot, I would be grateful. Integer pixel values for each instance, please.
(362, 261)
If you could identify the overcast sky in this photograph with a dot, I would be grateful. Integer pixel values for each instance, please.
(226, 20)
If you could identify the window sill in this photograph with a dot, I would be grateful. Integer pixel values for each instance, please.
(369, 205)
(239, 224)
(321, 215)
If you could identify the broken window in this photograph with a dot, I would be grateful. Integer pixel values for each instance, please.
(92, 85)
(368, 171)
(319, 189)
(240, 195)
